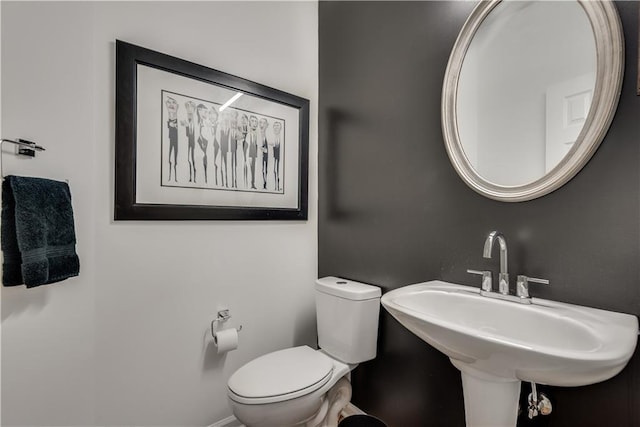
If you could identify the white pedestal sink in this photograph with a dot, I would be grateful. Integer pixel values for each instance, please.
(497, 344)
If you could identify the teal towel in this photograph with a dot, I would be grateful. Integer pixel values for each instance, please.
(38, 235)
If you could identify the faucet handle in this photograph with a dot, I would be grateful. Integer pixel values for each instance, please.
(522, 285)
(487, 282)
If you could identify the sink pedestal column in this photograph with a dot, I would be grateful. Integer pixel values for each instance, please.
(489, 401)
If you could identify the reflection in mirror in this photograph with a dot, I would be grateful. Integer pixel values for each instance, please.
(530, 90)
(525, 89)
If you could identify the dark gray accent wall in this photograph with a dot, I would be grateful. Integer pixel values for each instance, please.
(394, 212)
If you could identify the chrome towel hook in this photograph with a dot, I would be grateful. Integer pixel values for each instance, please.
(25, 148)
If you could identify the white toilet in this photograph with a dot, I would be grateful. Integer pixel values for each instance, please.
(301, 386)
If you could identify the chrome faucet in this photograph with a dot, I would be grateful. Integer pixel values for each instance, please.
(522, 286)
(503, 277)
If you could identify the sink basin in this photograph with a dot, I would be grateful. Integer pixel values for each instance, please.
(496, 343)
(545, 342)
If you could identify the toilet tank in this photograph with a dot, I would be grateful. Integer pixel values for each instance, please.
(347, 315)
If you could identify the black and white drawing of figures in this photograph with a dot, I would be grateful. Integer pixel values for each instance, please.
(253, 148)
(172, 127)
(213, 121)
(235, 136)
(225, 135)
(264, 148)
(243, 130)
(190, 129)
(239, 147)
(204, 135)
(277, 143)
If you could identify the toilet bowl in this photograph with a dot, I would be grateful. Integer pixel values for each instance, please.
(287, 388)
(301, 386)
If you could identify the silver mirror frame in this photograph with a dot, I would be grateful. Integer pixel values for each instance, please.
(609, 41)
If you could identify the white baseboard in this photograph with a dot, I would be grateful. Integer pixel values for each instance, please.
(227, 422)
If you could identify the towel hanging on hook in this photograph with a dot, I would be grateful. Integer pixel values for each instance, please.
(38, 232)
(31, 254)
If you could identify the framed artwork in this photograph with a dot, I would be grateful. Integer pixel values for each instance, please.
(194, 143)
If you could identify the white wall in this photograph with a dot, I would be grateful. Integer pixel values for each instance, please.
(126, 342)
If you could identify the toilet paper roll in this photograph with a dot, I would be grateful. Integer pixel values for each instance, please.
(226, 340)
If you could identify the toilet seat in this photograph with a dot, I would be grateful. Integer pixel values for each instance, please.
(281, 375)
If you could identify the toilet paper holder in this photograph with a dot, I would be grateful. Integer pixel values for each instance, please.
(223, 316)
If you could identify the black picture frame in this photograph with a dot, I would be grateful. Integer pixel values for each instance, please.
(129, 58)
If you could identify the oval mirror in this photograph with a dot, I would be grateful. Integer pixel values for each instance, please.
(529, 93)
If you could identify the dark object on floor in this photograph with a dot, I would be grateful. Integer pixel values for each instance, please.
(361, 421)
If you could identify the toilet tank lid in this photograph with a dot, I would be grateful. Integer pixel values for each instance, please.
(347, 289)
